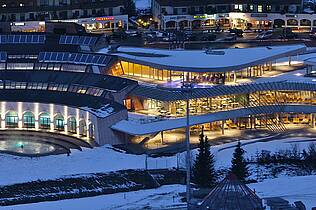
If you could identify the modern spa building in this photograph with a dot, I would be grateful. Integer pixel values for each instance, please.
(56, 83)
(76, 85)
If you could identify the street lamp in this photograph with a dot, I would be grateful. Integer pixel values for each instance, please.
(187, 88)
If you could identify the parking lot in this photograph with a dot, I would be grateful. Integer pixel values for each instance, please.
(211, 38)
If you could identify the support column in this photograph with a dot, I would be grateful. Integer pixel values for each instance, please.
(66, 119)
(20, 115)
(235, 77)
(223, 127)
(51, 113)
(313, 120)
(290, 60)
(3, 111)
(162, 142)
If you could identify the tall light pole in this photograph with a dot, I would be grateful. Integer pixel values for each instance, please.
(187, 88)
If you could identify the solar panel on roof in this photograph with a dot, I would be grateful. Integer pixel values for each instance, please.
(81, 40)
(54, 56)
(3, 38)
(41, 39)
(83, 58)
(10, 39)
(16, 39)
(23, 39)
(78, 56)
(93, 40)
(62, 39)
(90, 58)
(86, 41)
(75, 40)
(66, 57)
(28, 39)
(41, 56)
(59, 56)
(72, 57)
(47, 56)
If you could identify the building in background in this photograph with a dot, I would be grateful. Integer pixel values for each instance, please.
(244, 14)
(94, 15)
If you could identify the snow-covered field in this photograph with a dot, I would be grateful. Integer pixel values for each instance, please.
(301, 188)
(104, 159)
(160, 198)
(291, 188)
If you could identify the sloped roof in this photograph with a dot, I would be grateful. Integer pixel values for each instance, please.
(220, 60)
(231, 194)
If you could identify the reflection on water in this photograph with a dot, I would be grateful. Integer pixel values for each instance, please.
(23, 146)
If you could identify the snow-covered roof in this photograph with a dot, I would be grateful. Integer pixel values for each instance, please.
(102, 112)
(219, 60)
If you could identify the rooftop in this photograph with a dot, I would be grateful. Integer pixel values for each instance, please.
(220, 60)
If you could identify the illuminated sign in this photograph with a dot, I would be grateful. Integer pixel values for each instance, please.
(199, 16)
(104, 18)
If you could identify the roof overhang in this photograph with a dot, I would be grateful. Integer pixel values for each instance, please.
(198, 61)
(137, 129)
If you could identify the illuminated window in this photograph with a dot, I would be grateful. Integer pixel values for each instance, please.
(11, 119)
(238, 7)
(28, 120)
(269, 8)
(59, 122)
(259, 8)
(251, 7)
(44, 121)
(72, 125)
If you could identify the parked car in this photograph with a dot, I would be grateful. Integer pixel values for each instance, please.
(265, 35)
(231, 37)
(208, 37)
(238, 32)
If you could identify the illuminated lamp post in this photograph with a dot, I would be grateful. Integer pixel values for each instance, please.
(187, 90)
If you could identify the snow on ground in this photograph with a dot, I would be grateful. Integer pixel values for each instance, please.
(223, 156)
(102, 159)
(105, 159)
(290, 188)
(160, 198)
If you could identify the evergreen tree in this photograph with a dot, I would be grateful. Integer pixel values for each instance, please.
(204, 174)
(239, 165)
